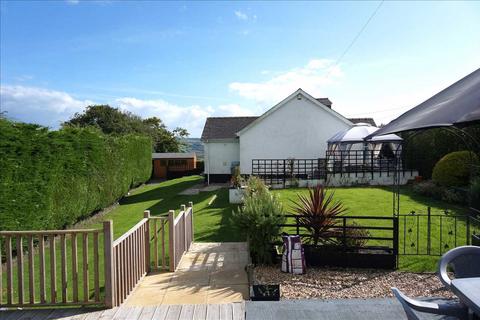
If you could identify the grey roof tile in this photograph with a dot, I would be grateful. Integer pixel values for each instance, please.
(224, 127)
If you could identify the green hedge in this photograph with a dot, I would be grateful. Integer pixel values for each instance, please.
(454, 169)
(52, 179)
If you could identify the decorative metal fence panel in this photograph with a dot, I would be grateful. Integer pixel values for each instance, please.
(374, 232)
(363, 162)
(283, 171)
(435, 234)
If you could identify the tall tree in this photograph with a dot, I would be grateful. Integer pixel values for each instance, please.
(117, 122)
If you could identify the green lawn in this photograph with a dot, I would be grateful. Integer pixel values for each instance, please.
(377, 201)
(213, 222)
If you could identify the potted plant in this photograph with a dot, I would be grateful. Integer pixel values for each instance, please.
(316, 213)
(259, 219)
(236, 191)
(265, 292)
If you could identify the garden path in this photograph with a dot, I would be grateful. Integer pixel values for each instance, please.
(209, 273)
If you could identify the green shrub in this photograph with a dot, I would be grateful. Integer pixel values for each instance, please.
(428, 188)
(52, 179)
(453, 196)
(317, 213)
(356, 237)
(255, 185)
(237, 180)
(454, 169)
(259, 219)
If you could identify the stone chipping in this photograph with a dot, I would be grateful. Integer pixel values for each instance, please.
(335, 283)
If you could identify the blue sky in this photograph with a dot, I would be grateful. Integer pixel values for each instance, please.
(184, 61)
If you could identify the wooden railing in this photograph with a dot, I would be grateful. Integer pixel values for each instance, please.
(52, 257)
(49, 261)
(129, 252)
(180, 234)
(159, 225)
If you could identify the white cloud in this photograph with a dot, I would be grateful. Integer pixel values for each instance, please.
(72, 2)
(38, 105)
(191, 118)
(241, 15)
(313, 78)
(50, 108)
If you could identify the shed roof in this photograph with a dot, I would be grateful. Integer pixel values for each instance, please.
(173, 155)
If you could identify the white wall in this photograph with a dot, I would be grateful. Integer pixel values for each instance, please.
(219, 156)
(379, 179)
(298, 129)
(350, 179)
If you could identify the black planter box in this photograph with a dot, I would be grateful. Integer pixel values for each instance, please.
(336, 257)
(265, 292)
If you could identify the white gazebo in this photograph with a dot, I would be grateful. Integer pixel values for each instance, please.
(349, 149)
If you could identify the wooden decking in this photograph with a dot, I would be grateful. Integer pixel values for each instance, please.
(227, 311)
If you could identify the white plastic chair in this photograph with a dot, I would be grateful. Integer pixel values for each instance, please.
(452, 309)
(464, 261)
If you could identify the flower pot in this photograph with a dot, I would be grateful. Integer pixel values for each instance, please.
(265, 292)
(236, 195)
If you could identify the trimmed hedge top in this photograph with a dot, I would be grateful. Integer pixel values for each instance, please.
(52, 179)
(454, 169)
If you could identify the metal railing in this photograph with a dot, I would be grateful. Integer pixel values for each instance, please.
(379, 236)
(435, 233)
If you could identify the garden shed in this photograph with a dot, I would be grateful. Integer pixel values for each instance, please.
(167, 165)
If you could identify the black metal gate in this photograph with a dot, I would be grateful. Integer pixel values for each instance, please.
(434, 234)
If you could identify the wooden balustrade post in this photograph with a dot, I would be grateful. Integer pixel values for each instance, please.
(171, 238)
(146, 215)
(184, 209)
(190, 205)
(109, 264)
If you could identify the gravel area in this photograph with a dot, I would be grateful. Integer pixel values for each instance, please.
(327, 283)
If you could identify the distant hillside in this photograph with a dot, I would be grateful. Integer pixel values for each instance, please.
(195, 145)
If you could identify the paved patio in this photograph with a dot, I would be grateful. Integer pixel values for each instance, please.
(345, 309)
(196, 189)
(209, 273)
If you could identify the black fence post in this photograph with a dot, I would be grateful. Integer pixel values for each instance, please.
(297, 226)
(284, 173)
(371, 163)
(468, 230)
(395, 239)
(429, 230)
